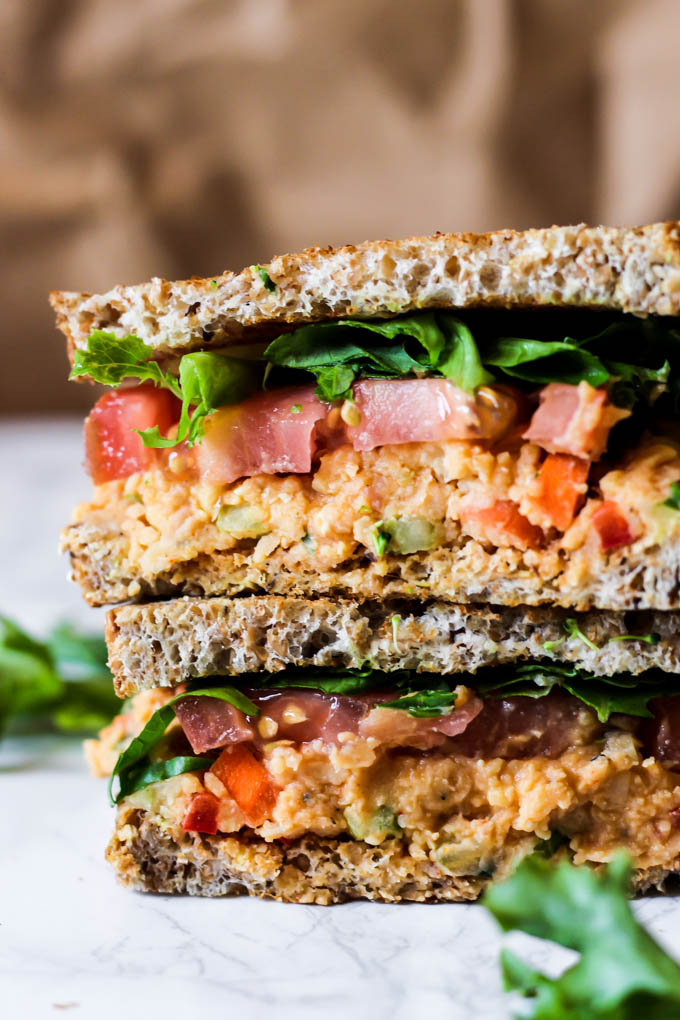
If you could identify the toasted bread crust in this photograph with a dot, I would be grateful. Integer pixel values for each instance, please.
(164, 643)
(621, 269)
(308, 870)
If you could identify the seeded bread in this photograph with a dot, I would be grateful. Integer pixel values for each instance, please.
(308, 870)
(164, 643)
(628, 270)
(467, 571)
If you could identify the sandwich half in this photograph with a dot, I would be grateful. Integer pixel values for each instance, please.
(399, 776)
(463, 418)
(398, 530)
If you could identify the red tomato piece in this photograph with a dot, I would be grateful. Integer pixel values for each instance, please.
(612, 526)
(112, 447)
(201, 815)
(563, 485)
(501, 524)
(248, 782)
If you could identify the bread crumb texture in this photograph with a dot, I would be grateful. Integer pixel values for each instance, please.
(623, 269)
(161, 644)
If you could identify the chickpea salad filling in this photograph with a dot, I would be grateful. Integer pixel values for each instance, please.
(357, 441)
(459, 771)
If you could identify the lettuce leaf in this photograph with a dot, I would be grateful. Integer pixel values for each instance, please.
(633, 356)
(134, 764)
(110, 360)
(629, 695)
(423, 704)
(206, 381)
(62, 682)
(622, 973)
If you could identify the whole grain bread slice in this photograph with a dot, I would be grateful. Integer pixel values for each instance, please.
(164, 643)
(464, 571)
(311, 869)
(633, 270)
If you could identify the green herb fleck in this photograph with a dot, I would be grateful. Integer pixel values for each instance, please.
(381, 538)
(572, 629)
(396, 620)
(650, 639)
(309, 543)
(265, 277)
(296, 408)
(673, 500)
(213, 284)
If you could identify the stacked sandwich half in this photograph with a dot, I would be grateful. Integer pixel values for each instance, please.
(392, 540)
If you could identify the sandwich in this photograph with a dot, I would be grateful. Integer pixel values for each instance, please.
(397, 530)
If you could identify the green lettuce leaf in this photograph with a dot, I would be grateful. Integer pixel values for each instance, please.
(207, 383)
(622, 973)
(629, 695)
(134, 762)
(540, 361)
(633, 356)
(422, 704)
(673, 500)
(110, 360)
(62, 682)
(142, 775)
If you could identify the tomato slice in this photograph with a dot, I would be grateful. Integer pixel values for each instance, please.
(112, 448)
(612, 526)
(201, 814)
(563, 485)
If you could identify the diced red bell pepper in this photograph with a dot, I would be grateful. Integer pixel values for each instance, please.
(502, 524)
(248, 782)
(562, 480)
(611, 525)
(201, 815)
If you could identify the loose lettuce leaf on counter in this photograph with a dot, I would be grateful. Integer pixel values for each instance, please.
(622, 973)
(62, 682)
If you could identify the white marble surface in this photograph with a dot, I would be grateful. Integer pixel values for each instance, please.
(73, 943)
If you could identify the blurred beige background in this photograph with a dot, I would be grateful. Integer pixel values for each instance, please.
(179, 137)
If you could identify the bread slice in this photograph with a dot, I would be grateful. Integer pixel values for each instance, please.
(622, 269)
(311, 869)
(466, 571)
(164, 643)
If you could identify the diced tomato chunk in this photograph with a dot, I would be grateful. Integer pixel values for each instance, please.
(201, 814)
(612, 526)
(112, 447)
(562, 487)
(502, 524)
(248, 782)
(574, 419)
